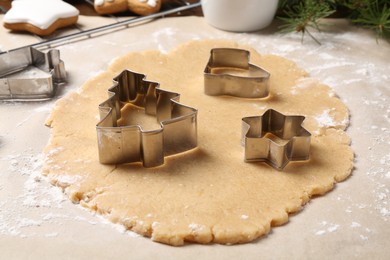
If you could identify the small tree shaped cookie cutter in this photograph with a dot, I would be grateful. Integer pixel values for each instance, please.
(126, 144)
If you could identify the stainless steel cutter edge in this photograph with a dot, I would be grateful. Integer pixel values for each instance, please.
(258, 147)
(127, 144)
(233, 85)
(31, 87)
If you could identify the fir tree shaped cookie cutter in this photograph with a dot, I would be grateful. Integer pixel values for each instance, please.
(131, 143)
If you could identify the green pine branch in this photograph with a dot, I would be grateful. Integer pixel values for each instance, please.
(304, 15)
(374, 15)
(300, 15)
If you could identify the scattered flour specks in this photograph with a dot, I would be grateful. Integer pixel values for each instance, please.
(92, 74)
(163, 38)
(332, 65)
(30, 212)
(196, 227)
(244, 217)
(18, 220)
(66, 180)
(45, 108)
(325, 119)
(355, 224)
(379, 177)
(302, 84)
(53, 234)
(155, 224)
(333, 228)
(355, 227)
(320, 232)
(385, 212)
(327, 228)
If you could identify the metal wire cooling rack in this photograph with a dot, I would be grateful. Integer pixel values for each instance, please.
(173, 7)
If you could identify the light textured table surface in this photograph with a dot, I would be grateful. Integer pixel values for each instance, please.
(353, 221)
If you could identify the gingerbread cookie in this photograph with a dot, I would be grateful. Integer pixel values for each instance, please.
(41, 17)
(141, 7)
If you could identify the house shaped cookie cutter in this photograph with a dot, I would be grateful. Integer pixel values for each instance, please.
(29, 74)
(275, 139)
(131, 143)
(228, 72)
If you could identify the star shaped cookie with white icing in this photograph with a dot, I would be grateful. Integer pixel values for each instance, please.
(41, 17)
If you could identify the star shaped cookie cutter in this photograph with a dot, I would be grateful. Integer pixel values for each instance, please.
(228, 72)
(29, 74)
(130, 143)
(275, 139)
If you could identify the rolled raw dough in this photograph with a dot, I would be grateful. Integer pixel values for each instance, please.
(208, 194)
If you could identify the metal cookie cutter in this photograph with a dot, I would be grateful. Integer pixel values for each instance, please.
(29, 74)
(125, 144)
(229, 72)
(275, 139)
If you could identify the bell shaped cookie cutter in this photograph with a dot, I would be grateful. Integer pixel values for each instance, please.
(275, 139)
(228, 72)
(130, 143)
(29, 74)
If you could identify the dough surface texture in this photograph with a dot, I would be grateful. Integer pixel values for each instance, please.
(209, 194)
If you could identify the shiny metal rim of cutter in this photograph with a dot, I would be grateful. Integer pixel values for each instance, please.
(130, 143)
(29, 74)
(228, 72)
(294, 143)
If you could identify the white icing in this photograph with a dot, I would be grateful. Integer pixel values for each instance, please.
(151, 3)
(99, 2)
(40, 13)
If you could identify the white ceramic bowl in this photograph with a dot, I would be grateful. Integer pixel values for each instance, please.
(239, 15)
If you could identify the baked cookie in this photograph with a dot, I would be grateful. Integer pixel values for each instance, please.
(41, 17)
(141, 7)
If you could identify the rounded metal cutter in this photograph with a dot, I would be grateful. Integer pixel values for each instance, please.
(228, 72)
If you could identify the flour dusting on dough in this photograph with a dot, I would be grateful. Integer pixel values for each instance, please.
(325, 119)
